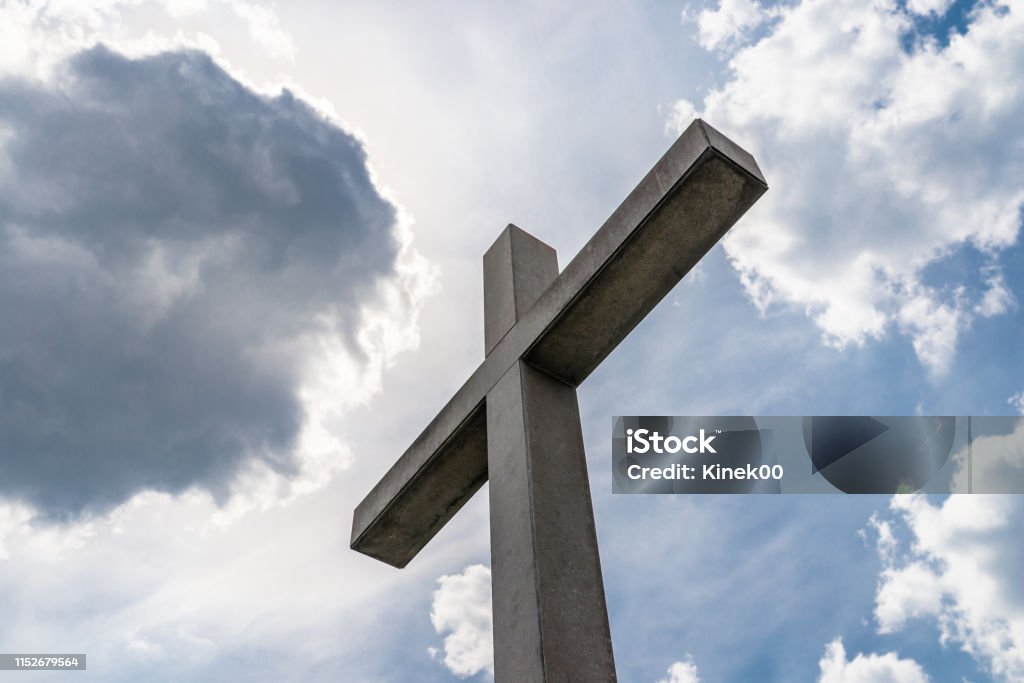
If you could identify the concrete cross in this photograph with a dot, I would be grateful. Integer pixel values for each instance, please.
(516, 420)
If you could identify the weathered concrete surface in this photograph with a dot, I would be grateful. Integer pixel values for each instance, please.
(509, 292)
(691, 197)
(430, 496)
(617, 279)
(550, 618)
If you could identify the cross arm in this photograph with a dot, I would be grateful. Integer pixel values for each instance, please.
(685, 204)
(433, 479)
(681, 208)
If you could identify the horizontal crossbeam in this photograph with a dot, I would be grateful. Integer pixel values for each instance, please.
(681, 208)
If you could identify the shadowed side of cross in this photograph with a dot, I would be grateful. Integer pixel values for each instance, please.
(516, 420)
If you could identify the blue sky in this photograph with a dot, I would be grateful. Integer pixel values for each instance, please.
(241, 270)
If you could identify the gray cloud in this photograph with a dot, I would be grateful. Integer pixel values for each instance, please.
(169, 240)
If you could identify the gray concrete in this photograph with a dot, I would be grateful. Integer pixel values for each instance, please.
(550, 616)
(681, 208)
(510, 292)
(545, 570)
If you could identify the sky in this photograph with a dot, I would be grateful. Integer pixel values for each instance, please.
(240, 270)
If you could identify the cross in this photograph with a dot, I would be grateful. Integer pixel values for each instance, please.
(516, 421)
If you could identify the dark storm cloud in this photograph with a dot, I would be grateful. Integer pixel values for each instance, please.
(166, 238)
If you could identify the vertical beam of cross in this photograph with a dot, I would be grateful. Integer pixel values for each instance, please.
(550, 616)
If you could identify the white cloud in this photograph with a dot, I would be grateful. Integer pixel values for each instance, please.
(998, 297)
(934, 328)
(158, 584)
(680, 116)
(682, 672)
(961, 570)
(1017, 402)
(885, 543)
(727, 23)
(906, 593)
(264, 27)
(36, 35)
(937, 7)
(881, 162)
(997, 465)
(887, 668)
(462, 609)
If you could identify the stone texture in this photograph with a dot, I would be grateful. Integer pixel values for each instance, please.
(545, 569)
(681, 208)
(509, 292)
(550, 616)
